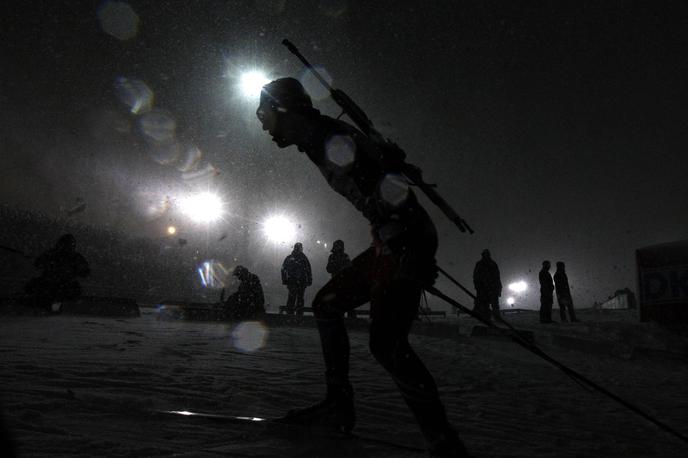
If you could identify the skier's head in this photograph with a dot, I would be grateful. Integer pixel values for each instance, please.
(546, 265)
(560, 265)
(338, 245)
(298, 247)
(240, 272)
(284, 106)
(486, 254)
(66, 242)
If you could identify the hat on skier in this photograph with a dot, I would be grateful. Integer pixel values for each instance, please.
(287, 94)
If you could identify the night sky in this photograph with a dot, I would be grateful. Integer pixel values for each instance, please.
(556, 129)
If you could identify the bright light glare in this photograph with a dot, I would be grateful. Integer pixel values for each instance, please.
(252, 82)
(518, 287)
(203, 207)
(510, 300)
(279, 229)
(171, 230)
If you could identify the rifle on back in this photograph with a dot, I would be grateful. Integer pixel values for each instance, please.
(386, 147)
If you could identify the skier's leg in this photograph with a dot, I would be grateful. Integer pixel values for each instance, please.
(393, 309)
(345, 291)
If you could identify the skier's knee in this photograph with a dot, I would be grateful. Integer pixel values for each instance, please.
(382, 350)
(323, 305)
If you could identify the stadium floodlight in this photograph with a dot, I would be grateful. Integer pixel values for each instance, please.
(518, 287)
(279, 229)
(204, 207)
(171, 230)
(251, 83)
(510, 300)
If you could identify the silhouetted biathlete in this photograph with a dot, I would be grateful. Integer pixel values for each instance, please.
(390, 274)
(61, 267)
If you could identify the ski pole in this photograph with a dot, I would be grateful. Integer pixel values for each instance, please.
(578, 378)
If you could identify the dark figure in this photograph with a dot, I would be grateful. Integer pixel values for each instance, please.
(390, 274)
(248, 301)
(546, 293)
(337, 262)
(561, 284)
(296, 274)
(488, 287)
(61, 266)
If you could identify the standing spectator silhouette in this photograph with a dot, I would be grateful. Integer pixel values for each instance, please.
(337, 262)
(248, 301)
(546, 293)
(488, 287)
(561, 284)
(61, 266)
(296, 275)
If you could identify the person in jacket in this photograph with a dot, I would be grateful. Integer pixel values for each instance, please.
(488, 287)
(338, 261)
(61, 267)
(546, 293)
(297, 276)
(561, 286)
(248, 302)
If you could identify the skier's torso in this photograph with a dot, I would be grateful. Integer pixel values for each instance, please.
(344, 157)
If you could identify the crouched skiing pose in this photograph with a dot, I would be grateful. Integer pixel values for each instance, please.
(390, 274)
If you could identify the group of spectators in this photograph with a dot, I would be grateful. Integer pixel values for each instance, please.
(488, 287)
(249, 302)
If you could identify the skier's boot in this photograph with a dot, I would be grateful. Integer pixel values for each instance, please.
(447, 444)
(336, 411)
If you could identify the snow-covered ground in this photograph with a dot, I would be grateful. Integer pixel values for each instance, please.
(84, 386)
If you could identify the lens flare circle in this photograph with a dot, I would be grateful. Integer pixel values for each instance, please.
(249, 336)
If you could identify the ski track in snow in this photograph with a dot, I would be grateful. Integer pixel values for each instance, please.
(83, 387)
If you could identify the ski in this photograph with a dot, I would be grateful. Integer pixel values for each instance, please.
(249, 420)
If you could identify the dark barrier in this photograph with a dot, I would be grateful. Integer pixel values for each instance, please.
(101, 306)
(663, 282)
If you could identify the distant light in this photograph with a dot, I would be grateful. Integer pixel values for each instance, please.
(203, 207)
(510, 300)
(252, 82)
(279, 229)
(171, 230)
(518, 287)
